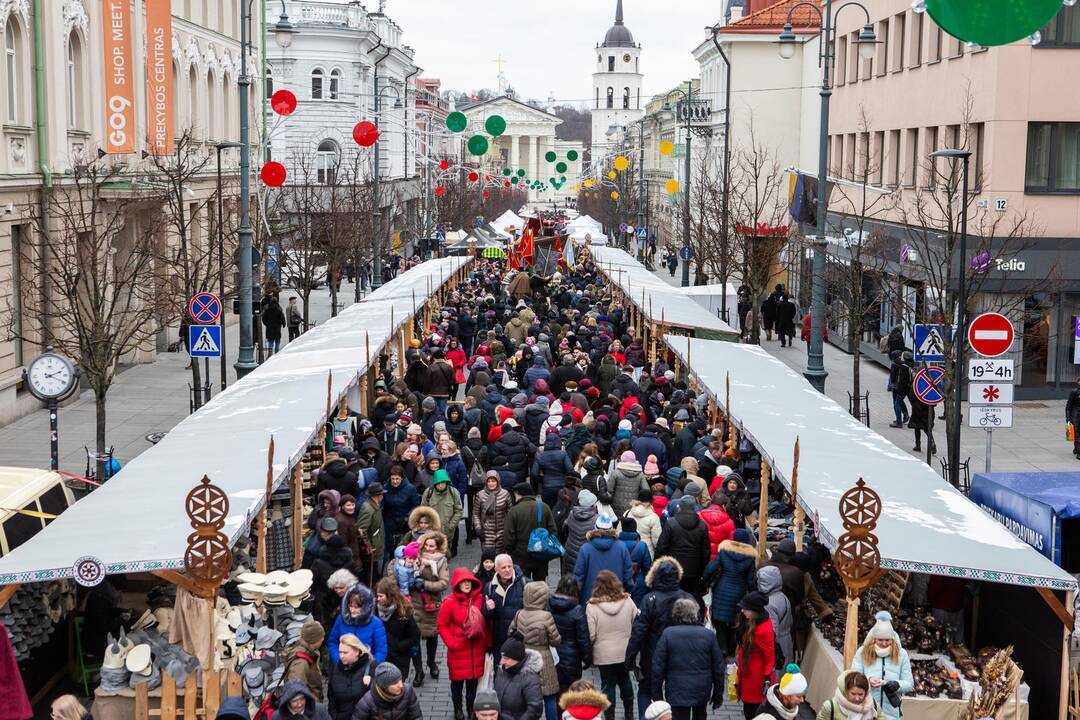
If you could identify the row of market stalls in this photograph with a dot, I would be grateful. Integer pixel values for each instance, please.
(257, 443)
(926, 528)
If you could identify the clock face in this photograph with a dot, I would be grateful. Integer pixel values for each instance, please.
(50, 376)
(626, 58)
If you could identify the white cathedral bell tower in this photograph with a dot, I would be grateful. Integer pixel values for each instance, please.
(617, 100)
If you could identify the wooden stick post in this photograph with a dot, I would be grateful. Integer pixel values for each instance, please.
(297, 515)
(763, 512)
(851, 631)
(800, 516)
(260, 559)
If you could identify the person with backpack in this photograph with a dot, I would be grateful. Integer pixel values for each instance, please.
(302, 660)
(689, 664)
(851, 701)
(446, 501)
(640, 559)
(528, 515)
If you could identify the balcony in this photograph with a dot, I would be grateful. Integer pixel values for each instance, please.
(327, 13)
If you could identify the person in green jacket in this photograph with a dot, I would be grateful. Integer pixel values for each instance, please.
(369, 520)
(446, 501)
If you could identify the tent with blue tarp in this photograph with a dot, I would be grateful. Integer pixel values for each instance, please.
(1035, 507)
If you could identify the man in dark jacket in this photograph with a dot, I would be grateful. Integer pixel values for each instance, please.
(297, 703)
(731, 574)
(336, 475)
(685, 537)
(1072, 414)
(567, 371)
(374, 457)
(520, 522)
(440, 379)
(688, 665)
(536, 414)
(899, 385)
(391, 434)
(650, 444)
(623, 385)
(398, 502)
(550, 469)
(517, 682)
(515, 447)
(507, 594)
(663, 581)
(390, 698)
(581, 519)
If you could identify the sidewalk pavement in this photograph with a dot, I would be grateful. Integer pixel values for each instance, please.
(1035, 443)
(144, 399)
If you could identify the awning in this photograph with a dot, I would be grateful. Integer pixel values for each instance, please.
(136, 522)
(927, 526)
(662, 303)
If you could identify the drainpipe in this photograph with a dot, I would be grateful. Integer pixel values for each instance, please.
(43, 156)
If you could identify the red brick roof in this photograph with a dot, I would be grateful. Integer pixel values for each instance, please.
(771, 19)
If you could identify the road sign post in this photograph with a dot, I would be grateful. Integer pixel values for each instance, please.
(928, 385)
(990, 388)
(930, 343)
(990, 334)
(204, 341)
(204, 308)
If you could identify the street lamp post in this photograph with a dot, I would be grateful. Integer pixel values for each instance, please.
(376, 244)
(815, 365)
(686, 96)
(283, 31)
(221, 259)
(724, 217)
(961, 316)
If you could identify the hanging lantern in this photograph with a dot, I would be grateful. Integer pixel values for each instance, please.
(666, 147)
(621, 163)
(440, 191)
(672, 186)
(478, 145)
(474, 176)
(495, 125)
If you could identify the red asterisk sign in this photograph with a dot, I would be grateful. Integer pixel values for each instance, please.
(991, 393)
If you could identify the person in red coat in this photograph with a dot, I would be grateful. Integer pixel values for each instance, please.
(806, 329)
(719, 524)
(465, 633)
(756, 658)
(457, 358)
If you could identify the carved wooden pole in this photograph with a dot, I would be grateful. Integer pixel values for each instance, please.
(297, 525)
(260, 559)
(800, 516)
(763, 511)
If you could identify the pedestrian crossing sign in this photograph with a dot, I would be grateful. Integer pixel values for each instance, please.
(204, 341)
(930, 343)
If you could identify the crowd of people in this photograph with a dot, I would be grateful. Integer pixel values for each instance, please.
(532, 419)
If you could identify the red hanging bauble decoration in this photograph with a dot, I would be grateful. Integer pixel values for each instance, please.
(474, 176)
(365, 133)
(273, 174)
(444, 164)
(487, 194)
(439, 191)
(506, 183)
(283, 102)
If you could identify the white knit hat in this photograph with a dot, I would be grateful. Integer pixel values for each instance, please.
(657, 710)
(793, 682)
(883, 629)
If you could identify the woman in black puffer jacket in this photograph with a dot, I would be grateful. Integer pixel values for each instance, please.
(575, 650)
(402, 632)
(350, 678)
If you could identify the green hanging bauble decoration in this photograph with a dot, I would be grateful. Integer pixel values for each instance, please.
(550, 156)
(560, 167)
(495, 125)
(507, 172)
(571, 155)
(456, 122)
(992, 22)
(521, 172)
(478, 145)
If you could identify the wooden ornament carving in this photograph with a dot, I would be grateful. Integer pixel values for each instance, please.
(208, 559)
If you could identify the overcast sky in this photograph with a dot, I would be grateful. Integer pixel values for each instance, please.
(548, 45)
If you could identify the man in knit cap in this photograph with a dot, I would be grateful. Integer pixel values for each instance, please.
(389, 698)
(302, 659)
(486, 705)
(785, 699)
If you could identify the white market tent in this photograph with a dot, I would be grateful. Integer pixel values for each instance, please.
(710, 297)
(657, 300)
(926, 526)
(136, 521)
(508, 219)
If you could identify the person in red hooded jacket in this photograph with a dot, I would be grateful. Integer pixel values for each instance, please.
(457, 358)
(464, 630)
(484, 352)
(720, 525)
(755, 657)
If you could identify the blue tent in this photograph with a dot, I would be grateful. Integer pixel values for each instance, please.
(1031, 505)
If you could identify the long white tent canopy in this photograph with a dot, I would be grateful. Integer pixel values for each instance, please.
(926, 525)
(137, 522)
(662, 303)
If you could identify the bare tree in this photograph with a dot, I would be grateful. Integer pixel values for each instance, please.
(96, 259)
(189, 250)
(710, 236)
(759, 217)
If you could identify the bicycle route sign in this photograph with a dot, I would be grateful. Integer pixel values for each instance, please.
(929, 385)
(205, 308)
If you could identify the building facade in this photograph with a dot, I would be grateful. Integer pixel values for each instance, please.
(617, 82)
(55, 118)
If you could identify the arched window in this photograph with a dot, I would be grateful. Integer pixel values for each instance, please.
(610, 98)
(193, 101)
(269, 81)
(328, 156)
(75, 84)
(227, 106)
(211, 110)
(13, 58)
(178, 113)
(335, 83)
(317, 77)
(626, 98)
(597, 98)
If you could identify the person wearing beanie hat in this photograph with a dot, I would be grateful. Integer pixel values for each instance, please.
(755, 655)
(651, 468)
(685, 644)
(886, 664)
(528, 514)
(390, 697)
(579, 522)
(685, 537)
(785, 699)
(658, 710)
(640, 559)
(486, 705)
(302, 659)
(445, 500)
(517, 681)
(624, 481)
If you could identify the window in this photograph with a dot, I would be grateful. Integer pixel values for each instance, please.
(317, 84)
(327, 162)
(1063, 30)
(597, 98)
(228, 127)
(956, 47)
(976, 133)
(841, 60)
(892, 159)
(626, 98)
(638, 105)
(74, 79)
(877, 159)
(912, 157)
(269, 81)
(12, 52)
(934, 54)
(853, 58)
(335, 83)
(18, 250)
(211, 109)
(193, 100)
(915, 39)
(610, 97)
(1053, 157)
(931, 139)
(611, 63)
(899, 25)
(881, 61)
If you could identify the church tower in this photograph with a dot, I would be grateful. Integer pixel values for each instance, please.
(617, 100)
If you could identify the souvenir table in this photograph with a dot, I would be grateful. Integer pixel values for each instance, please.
(823, 664)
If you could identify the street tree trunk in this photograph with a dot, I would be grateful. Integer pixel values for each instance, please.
(99, 433)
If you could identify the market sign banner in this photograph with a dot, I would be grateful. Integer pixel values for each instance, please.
(119, 77)
(159, 77)
(1028, 519)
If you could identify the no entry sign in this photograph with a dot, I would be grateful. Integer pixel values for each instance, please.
(990, 334)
